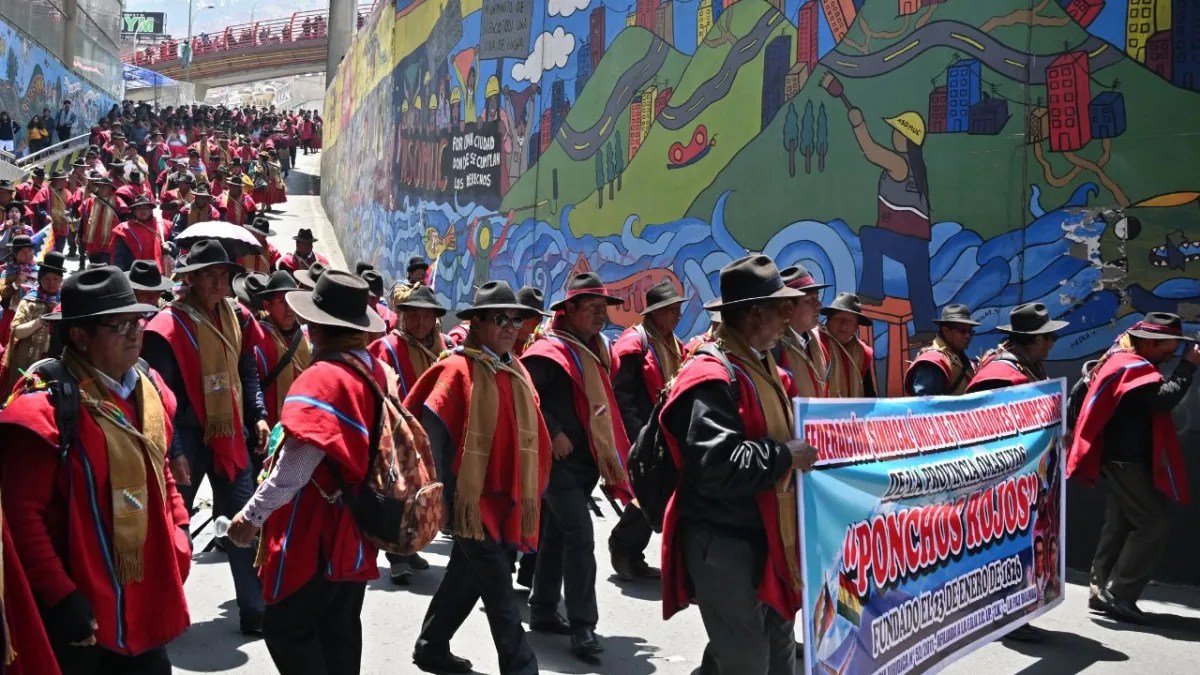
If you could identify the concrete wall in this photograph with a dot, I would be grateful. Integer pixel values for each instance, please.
(962, 151)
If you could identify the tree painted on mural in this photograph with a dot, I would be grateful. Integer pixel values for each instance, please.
(617, 147)
(791, 138)
(600, 178)
(807, 144)
(822, 138)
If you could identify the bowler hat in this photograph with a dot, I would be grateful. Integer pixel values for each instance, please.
(308, 278)
(422, 297)
(207, 253)
(98, 291)
(261, 226)
(340, 299)
(956, 314)
(54, 262)
(144, 275)
(586, 284)
(18, 242)
(417, 263)
(749, 280)
(496, 295)
(798, 277)
(1159, 326)
(662, 295)
(1031, 318)
(849, 303)
(362, 266)
(533, 298)
(247, 286)
(305, 234)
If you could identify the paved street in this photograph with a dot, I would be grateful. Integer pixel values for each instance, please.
(638, 641)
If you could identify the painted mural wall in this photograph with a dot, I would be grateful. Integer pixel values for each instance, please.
(33, 79)
(919, 152)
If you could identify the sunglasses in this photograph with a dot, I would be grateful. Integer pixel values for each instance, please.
(961, 329)
(128, 327)
(508, 320)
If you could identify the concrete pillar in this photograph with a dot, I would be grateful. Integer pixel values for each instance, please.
(342, 21)
(70, 9)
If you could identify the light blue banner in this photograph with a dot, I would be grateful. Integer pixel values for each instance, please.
(930, 526)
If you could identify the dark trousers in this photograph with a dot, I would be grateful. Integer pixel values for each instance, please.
(229, 496)
(1136, 530)
(566, 560)
(318, 629)
(745, 636)
(479, 570)
(913, 254)
(96, 660)
(64, 133)
(631, 535)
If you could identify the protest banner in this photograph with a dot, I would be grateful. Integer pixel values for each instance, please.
(929, 526)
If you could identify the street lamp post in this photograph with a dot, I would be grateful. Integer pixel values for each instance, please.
(187, 65)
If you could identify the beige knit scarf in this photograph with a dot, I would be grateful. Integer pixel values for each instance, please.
(601, 418)
(220, 349)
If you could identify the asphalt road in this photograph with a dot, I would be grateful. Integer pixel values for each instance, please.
(972, 42)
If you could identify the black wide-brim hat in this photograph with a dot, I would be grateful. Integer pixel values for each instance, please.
(144, 275)
(340, 300)
(586, 284)
(422, 297)
(956, 314)
(305, 234)
(662, 295)
(1031, 318)
(798, 277)
(1159, 326)
(97, 291)
(749, 280)
(247, 286)
(374, 281)
(848, 303)
(207, 253)
(261, 227)
(308, 278)
(279, 282)
(533, 298)
(497, 295)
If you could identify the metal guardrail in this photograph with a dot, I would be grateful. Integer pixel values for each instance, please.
(47, 153)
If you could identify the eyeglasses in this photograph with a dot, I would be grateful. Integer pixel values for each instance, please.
(128, 327)
(961, 329)
(507, 320)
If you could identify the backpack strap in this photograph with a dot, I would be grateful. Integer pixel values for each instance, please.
(64, 397)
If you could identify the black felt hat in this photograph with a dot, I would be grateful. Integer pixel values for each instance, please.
(279, 282)
(956, 314)
(1159, 326)
(207, 253)
(144, 275)
(305, 234)
(749, 280)
(340, 300)
(247, 286)
(496, 295)
(848, 303)
(586, 284)
(422, 297)
(798, 277)
(98, 291)
(308, 278)
(374, 281)
(533, 298)
(417, 263)
(1031, 318)
(54, 262)
(662, 295)
(261, 226)
(362, 266)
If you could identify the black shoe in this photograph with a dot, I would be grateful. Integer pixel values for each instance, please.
(585, 644)
(622, 564)
(1027, 633)
(444, 662)
(642, 570)
(525, 576)
(400, 573)
(553, 624)
(1095, 604)
(416, 562)
(252, 624)
(1121, 609)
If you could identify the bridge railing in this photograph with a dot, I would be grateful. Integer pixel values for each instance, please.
(297, 28)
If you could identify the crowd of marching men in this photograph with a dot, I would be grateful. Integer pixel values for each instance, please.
(334, 419)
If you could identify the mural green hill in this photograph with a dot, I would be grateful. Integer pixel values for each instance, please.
(577, 179)
(653, 192)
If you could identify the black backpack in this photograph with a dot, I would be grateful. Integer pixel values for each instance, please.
(652, 471)
(1076, 398)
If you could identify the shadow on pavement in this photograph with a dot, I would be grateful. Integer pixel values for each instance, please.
(1170, 626)
(1172, 595)
(649, 590)
(211, 646)
(622, 654)
(422, 582)
(1064, 654)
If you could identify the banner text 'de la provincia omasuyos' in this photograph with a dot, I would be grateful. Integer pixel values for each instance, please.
(930, 526)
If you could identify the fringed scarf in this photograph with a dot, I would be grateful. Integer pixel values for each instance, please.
(667, 350)
(845, 367)
(807, 363)
(777, 411)
(300, 359)
(480, 439)
(420, 356)
(220, 383)
(128, 451)
(596, 368)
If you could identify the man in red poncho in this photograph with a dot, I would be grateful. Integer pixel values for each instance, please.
(138, 238)
(851, 364)
(1125, 433)
(572, 367)
(266, 260)
(97, 217)
(479, 407)
(730, 532)
(304, 255)
(943, 368)
(102, 534)
(234, 205)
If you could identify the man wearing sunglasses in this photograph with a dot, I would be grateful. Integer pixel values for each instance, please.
(102, 532)
(1019, 360)
(943, 368)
